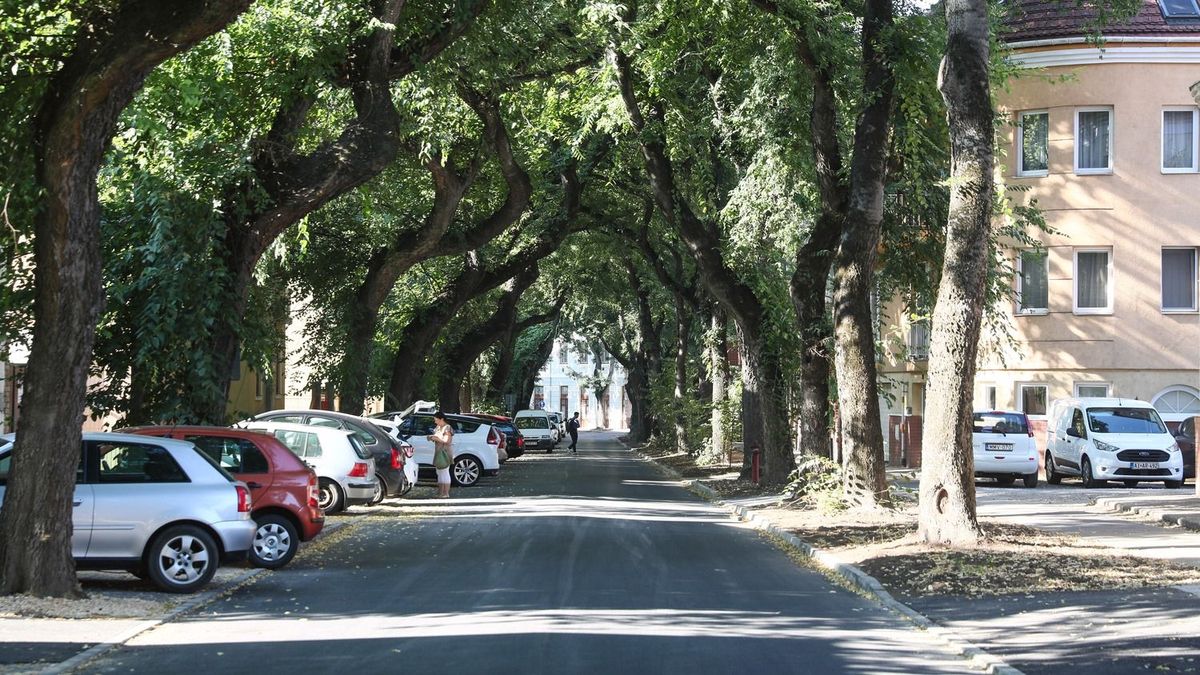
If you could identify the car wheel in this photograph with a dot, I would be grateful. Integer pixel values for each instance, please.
(275, 542)
(1052, 476)
(379, 493)
(181, 559)
(1006, 480)
(465, 471)
(329, 497)
(1173, 484)
(1030, 479)
(1085, 472)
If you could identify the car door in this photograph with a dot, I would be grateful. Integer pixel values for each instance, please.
(82, 502)
(239, 457)
(417, 427)
(137, 488)
(1075, 439)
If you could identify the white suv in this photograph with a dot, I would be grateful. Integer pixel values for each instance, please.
(1103, 439)
(1004, 447)
(475, 446)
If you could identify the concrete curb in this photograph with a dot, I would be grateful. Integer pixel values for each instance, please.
(1186, 519)
(860, 580)
(197, 601)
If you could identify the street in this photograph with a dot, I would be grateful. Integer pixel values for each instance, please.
(562, 564)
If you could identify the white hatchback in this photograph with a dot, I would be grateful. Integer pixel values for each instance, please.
(1004, 447)
(345, 468)
(475, 446)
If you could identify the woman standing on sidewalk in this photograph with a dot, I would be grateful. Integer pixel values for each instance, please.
(443, 454)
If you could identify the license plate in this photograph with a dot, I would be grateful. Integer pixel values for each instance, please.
(1144, 465)
(998, 447)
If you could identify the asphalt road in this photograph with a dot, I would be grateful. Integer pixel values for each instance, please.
(563, 564)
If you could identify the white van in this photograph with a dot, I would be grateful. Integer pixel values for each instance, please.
(1103, 439)
(537, 428)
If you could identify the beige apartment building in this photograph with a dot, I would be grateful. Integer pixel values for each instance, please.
(1106, 140)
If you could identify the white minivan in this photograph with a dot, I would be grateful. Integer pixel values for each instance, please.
(537, 428)
(1103, 439)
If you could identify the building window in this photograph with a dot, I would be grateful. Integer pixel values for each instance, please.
(1033, 274)
(1033, 143)
(1176, 9)
(1091, 389)
(918, 341)
(1179, 140)
(1031, 398)
(539, 398)
(562, 399)
(562, 354)
(989, 397)
(1093, 281)
(259, 385)
(279, 373)
(1179, 280)
(1093, 140)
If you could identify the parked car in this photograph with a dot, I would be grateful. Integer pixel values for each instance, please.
(1004, 447)
(406, 449)
(1103, 439)
(390, 480)
(557, 427)
(156, 507)
(474, 448)
(514, 443)
(1185, 437)
(283, 489)
(537, 429)
(345, 469)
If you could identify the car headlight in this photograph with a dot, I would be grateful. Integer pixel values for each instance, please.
(1174, 449)
(1106, 447)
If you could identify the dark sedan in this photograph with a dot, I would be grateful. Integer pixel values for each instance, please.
(1186, 438)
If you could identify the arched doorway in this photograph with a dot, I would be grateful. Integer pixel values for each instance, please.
(1177, 403)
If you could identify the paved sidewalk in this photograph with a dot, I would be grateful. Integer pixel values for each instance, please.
(1173, 510)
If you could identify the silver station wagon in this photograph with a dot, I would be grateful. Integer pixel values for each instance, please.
(153, 506)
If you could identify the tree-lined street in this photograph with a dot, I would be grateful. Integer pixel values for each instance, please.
(588, 564)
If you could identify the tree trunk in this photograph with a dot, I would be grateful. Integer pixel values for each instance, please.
(683, 327)
(947, 492)
(75, 124)
(764, 414)
(718, 366)
(807, 289)
(854, 265)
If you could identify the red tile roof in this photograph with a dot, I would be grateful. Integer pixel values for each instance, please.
(1050, 19)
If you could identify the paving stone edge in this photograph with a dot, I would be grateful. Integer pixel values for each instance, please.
(1186, 520)
(867, 584)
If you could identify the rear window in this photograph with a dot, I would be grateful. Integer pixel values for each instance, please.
(359, 448)
(1125, 421)
(532, 423)
(236, 455)
(463, 426)
(999, 423)
(213, 463)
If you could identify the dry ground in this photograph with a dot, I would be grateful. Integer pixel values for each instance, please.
(1011, 559)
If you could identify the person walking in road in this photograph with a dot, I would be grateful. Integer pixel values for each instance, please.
(443, 454)
(573, 430)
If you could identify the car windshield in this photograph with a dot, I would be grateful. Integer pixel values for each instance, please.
(1125, 421)
(532, 423)
(998, 423)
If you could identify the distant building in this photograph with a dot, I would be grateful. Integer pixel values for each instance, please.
(1107, 140)
(570, 382)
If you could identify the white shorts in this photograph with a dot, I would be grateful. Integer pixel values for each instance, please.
(443, 476)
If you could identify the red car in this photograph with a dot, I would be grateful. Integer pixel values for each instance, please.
(283, 489)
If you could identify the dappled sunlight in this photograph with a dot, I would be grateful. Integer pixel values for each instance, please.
(574, 507)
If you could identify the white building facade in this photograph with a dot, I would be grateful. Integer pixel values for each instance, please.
(570, 382)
